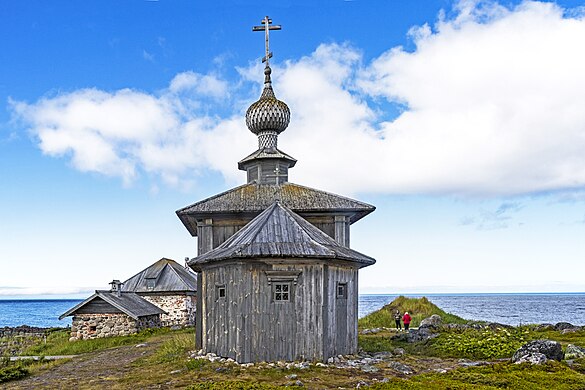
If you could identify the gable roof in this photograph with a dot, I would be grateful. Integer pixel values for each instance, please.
(255, 198)
(279, 232)
(168, 276)
(129, 303)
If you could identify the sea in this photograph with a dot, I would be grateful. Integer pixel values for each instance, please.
(511, 309)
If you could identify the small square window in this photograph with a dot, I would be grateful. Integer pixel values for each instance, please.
(150, 282)
(341, 290)
(221, 291)
(281, 292)
(92, 329)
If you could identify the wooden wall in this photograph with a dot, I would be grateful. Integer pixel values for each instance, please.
(248, 326)
(211, 233)
(97, 306)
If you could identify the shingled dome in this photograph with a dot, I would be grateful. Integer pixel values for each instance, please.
(268, 113)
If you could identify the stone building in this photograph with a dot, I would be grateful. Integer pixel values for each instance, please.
(276, 279)
(169, 286)
(161, 295)
(112, 313)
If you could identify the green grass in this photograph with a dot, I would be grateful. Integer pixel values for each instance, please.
(480, 344)
(175, 349)
(552, 375)
(58, 343)
(13, 372)
(418, 308)
(233, 385)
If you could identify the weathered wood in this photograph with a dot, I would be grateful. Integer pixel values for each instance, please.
(97, 306)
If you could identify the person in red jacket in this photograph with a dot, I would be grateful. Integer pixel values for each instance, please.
(406, 319)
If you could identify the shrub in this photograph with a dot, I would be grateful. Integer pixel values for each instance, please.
(480, 344)
(11, 373)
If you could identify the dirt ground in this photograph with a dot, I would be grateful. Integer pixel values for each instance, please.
(92, 371)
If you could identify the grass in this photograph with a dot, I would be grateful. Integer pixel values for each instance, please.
(418, 308)
(167, 364)
(58, 343)
(552, 375)
(480, 343)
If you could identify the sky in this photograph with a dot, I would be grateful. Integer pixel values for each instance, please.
(463, 122)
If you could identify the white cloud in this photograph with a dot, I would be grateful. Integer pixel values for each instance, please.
(493, 106)
(495, 103)
(125, 132)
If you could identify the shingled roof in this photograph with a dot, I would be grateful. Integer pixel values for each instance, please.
(129, 303)
(166, 276)
(255, 198)
(279, 232)
(267, 154)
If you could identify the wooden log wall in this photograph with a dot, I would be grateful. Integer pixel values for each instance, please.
(248, 326)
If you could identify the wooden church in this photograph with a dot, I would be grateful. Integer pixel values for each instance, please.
(277, 279)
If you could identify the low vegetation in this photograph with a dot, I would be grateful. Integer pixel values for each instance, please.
(57, 343)
(418, 308)
(165, 362)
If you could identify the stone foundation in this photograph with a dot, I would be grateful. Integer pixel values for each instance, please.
(92, 326)
(181, 308)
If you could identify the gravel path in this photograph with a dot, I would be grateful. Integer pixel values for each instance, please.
(99, 370)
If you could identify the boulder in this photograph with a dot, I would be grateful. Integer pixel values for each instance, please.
(434, 322)
(570, 330)
(401, 368)
(532, 358)
(563, 325)
(550, 349)
(415, 335)
(543, 327)
(574, 352)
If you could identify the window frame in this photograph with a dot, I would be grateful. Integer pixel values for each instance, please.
(343, 294)
(220, 291)
(282, 285)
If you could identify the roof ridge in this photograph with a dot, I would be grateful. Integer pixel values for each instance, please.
(178, 274)
(307, 228)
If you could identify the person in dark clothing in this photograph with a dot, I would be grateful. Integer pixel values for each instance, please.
(397, 318)
(406, 319)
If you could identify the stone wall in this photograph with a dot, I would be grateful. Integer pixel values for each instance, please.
(92, 326)
(181, 308)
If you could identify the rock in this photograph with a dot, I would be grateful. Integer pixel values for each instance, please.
(398, 351)
(299, 383)
(368, 368)
(574, 352)
(371, 331)
(435, 321)
(292, 376)
(532, 358)
(563, 325)
(401, 368)
(570, 330)
(175, 372)
(141, 345)
(470, 363)
(543, 327)
(319, 364)
(550, 349)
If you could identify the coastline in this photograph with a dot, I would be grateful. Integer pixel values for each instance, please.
(507, 308)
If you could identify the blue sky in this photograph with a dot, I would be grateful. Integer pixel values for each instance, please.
(463, 122)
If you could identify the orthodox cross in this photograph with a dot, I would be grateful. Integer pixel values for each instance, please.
(267, 27)
(277, 175)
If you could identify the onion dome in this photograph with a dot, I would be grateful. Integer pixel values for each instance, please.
(268, 114)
